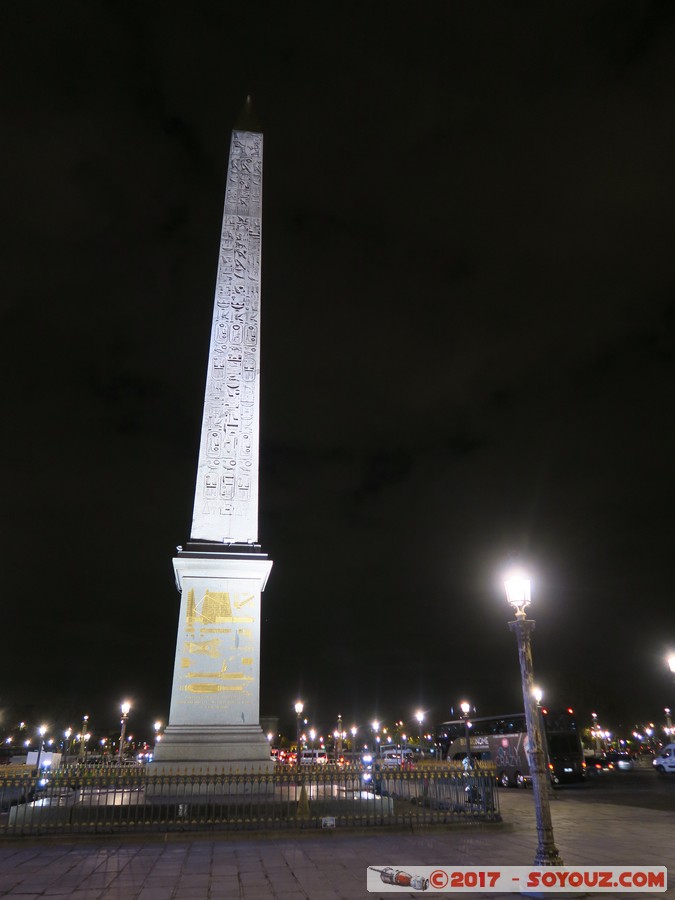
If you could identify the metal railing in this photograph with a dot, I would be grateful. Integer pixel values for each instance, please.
(108, 801)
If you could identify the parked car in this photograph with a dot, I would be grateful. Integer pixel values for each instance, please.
(621, 761)
(596, 765)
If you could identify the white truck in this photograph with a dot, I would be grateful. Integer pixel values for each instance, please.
(665, 761)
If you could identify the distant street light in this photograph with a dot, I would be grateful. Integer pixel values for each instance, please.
(518, 595)
(376, 737)
(465, 706)
(419, 715)
(126, 706)
(595, 733)
(669, 721)
(338, 752)
(299, 706)
(42, 730)
(538, 695)
(85, 719)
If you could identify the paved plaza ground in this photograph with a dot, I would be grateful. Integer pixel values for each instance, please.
(327, 865)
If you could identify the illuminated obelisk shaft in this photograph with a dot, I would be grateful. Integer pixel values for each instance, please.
(214, 719)
(226, 494)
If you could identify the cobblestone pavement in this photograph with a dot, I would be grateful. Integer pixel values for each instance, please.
(327, 865)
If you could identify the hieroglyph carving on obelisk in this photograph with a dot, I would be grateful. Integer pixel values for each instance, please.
(226, 494)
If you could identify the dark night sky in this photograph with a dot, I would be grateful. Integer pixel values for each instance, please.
(468, 320)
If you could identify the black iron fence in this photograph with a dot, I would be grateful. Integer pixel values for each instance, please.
(81, 801)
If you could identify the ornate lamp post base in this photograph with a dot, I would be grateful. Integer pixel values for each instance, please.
(547, 853)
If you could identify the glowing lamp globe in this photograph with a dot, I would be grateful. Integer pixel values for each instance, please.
(517, 588)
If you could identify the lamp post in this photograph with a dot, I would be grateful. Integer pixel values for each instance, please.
(649, 732)
(669, 721)
(158, 736)
(85, 719)
(465, 706)
(339, 739)
(538, 695)
(42, 730)
(299, 706)
(126, 706)
(595, 734)
(376, 737)
(67, 733)
(518, 595)
(419, 715)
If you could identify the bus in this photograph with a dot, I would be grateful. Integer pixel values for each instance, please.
(502, 740)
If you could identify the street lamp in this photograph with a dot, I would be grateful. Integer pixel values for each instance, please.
(299, 706)
(518, 595)
(126, 706)
(419, 715)
(85, 719)
(465, 706)
(669, 721)
(538, 695)
(42, 730)
(339, 740)
(595, 733)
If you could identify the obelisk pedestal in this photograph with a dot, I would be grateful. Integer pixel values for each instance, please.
(214, 721)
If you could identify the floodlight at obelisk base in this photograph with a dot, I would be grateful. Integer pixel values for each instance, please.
(214, 720)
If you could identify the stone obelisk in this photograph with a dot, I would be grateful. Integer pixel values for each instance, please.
(214, 721)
